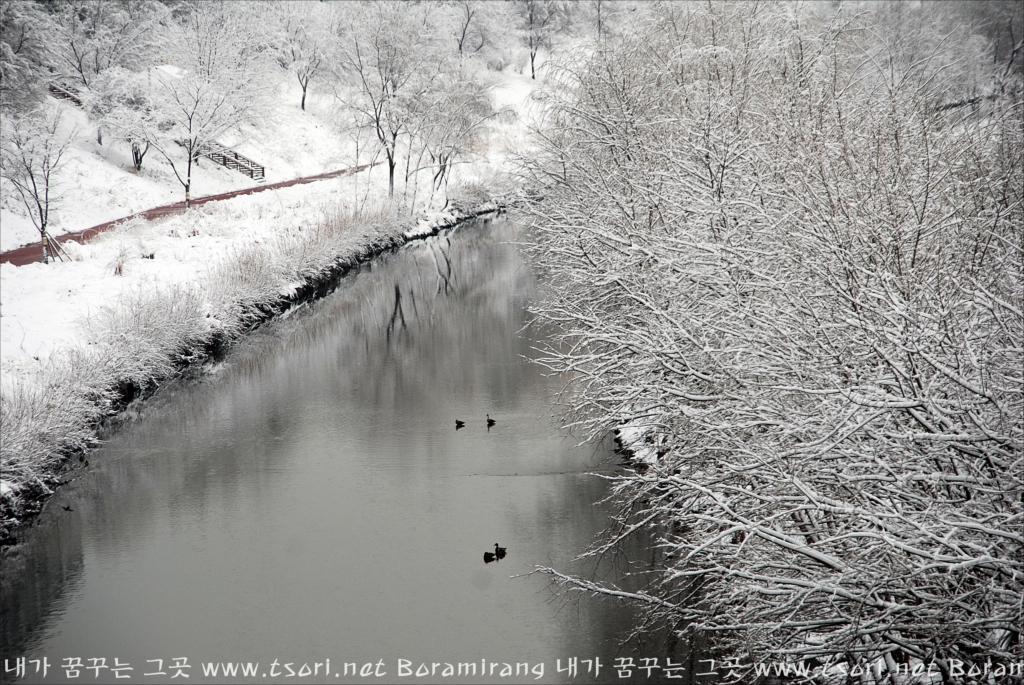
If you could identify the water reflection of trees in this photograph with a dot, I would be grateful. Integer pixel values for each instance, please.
(38, 581)
(437, 310)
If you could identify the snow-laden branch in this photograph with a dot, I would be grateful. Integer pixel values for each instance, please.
(796, 287)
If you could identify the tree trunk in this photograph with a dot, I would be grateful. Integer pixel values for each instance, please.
(138, 152)
(391, 174)
(408, 163)
(188, 180)
(303, 98)
(46, 247)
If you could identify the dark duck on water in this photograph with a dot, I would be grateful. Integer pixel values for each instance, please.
(496, 555)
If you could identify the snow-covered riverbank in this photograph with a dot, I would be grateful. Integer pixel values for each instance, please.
(139, 303)
(132, 335)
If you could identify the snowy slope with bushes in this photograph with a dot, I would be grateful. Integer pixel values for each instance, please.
(790, 280)
(99, 183)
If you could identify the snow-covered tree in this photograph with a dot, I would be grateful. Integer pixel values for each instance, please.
(125, 103)
(33, 151)
(468, 26)
(450, 118)
(1002, 22)
(391, 57)
(91, 36)
(306, 33)
(539, 21)
(607, 17)
(218, 82)
(483, 32)
(24, 53)
(408, 82)
(793, 282)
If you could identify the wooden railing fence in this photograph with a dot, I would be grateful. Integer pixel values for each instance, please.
(227, 157)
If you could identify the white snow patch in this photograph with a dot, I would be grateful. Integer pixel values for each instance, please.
(634, 438)
(171, 70)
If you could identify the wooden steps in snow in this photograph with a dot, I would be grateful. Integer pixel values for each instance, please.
(62, 91)
(227, 157)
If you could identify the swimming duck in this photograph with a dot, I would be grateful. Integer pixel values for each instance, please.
(459, 424)
(490, 421)
(499, 552)
(488, 557)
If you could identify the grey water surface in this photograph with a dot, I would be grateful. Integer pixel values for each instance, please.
(309, 499)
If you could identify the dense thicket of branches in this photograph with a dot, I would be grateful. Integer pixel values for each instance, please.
(786, 251)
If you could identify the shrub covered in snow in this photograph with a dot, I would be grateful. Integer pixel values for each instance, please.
(787, 257)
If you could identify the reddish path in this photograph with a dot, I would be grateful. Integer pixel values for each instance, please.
(34, 252)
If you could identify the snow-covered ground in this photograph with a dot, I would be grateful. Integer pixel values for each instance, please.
(44, 306)
(54, 308)
(98, 182)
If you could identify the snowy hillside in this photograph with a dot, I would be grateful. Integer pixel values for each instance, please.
(100, 184)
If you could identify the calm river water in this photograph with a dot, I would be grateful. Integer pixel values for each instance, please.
(309, 499)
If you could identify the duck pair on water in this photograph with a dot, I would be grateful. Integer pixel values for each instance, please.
(462, 424)
(498, 553)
